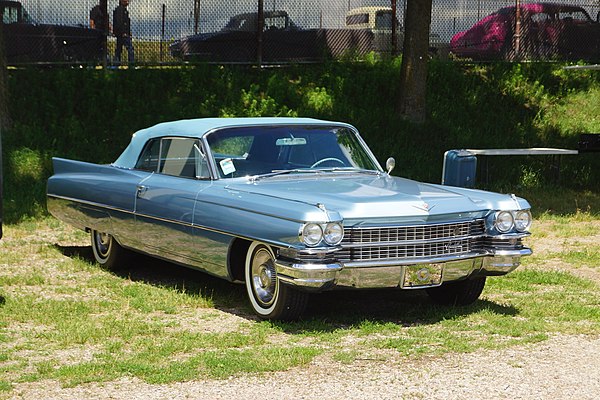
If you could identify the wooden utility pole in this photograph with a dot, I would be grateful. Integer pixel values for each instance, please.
(413, 72)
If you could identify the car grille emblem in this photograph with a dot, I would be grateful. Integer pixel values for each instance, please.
(424, 207)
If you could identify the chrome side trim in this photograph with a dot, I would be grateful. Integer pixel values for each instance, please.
(205, 202)
(184, 224)
(90, 203)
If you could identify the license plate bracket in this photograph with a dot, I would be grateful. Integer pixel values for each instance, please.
(420, 276)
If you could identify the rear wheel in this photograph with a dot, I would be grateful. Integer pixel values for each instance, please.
(459, 293)
(107, 251)
(270, 299)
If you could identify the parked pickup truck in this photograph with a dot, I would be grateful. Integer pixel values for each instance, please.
(282, 41)
(26, 41)
(378, 20)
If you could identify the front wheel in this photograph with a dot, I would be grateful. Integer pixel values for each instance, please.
(460, 293)
(107, 251)
(270, 299)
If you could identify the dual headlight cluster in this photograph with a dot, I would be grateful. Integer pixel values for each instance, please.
(313, 233)
(506, 221)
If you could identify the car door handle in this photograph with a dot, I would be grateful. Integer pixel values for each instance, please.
(140, 191)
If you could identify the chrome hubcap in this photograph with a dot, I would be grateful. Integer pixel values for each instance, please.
(264, 277)
(103, 243)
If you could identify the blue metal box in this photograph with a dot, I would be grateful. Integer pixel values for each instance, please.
(460, 167)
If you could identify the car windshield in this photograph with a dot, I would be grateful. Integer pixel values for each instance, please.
(245, 23)
(383, 20)
(252, 151)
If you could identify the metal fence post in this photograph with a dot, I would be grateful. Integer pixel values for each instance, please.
(259, 32)
(105, 30)
(162, 32)
(394, 29)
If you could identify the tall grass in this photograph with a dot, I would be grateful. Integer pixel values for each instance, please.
(90, 115)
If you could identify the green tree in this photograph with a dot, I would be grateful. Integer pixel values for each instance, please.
(413, 72)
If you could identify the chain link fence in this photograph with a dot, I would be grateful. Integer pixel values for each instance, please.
(280, 31)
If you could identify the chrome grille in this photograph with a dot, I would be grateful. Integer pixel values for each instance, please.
(433, 240)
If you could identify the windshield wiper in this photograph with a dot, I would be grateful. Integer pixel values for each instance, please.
(351, 169)
(277, 172)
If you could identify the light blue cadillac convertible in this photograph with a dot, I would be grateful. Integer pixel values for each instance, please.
(289, 206)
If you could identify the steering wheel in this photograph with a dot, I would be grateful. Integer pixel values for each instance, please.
(322, 160)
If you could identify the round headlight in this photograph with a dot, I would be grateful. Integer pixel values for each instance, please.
(523, 220)
(312, 234)
(504, 221)
(334, 233)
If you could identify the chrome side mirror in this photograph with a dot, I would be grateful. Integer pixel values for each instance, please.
(390, 164)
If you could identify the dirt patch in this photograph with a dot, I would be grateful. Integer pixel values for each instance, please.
(562, 367)
(548, 243)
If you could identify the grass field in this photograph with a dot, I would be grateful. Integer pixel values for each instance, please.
(64, 318)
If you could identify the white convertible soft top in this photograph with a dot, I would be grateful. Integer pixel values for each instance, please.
(199, 127)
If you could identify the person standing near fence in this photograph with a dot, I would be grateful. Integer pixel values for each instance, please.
(98, 16)
(99, 20)
(122, 30)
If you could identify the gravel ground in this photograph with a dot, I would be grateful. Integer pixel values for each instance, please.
(564, 367)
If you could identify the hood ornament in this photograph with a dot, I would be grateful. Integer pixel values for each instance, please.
(423, 207)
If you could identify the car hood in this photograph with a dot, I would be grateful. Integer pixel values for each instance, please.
(457, 39)
(383, 196)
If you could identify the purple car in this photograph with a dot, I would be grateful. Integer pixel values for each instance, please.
(548, 31)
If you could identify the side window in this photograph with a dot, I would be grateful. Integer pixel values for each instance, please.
(178, 157)
(10, 15)
(278, 22)
(174, 156)
(357, 19)
(540, 17)
(148, 161)
(383, 20)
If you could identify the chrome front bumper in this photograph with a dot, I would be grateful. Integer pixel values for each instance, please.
(389, 274)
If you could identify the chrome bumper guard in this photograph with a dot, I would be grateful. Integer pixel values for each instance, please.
(390, 274)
